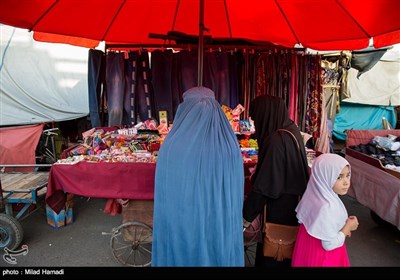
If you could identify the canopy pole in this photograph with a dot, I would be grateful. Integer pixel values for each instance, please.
(201, 46)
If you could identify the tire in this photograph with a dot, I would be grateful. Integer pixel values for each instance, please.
(131, 244)
(11, 232)
(250, 253)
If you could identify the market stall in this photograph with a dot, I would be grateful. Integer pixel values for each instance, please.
(372, 184)
(120, 163)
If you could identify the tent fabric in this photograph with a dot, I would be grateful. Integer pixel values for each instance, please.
(378, 86)
(320, 25)
(40, 82)
(18, 145)
(361, 117)
(365, 60)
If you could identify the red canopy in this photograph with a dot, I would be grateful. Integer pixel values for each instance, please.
(316, 24)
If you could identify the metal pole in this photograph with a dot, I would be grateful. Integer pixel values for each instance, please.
(201, 46)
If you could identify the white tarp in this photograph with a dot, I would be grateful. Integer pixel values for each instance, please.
(40, 82)
(380, 85)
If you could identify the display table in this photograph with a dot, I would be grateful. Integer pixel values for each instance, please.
(101, 180)
(372, 185)
(133, 180)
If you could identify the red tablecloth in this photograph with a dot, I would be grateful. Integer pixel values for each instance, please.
(107, 180)
(101, 180)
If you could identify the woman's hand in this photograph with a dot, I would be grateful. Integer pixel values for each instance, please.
(246, 223)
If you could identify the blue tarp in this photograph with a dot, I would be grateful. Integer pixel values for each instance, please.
(361, 117)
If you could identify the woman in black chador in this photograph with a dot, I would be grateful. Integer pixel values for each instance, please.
(282, 171)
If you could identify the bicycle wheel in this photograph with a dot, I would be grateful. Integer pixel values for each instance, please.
(251, 236)
(250, 253)
(11, 232)
(50, 150)
(131, 244)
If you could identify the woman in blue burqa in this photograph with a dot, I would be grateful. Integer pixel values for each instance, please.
(198, 195)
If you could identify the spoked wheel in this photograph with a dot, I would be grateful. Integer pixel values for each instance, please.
(250, 253)
(251, 236)
(11, 232)
(131, 244)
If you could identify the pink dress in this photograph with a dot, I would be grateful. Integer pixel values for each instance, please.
(308, 252)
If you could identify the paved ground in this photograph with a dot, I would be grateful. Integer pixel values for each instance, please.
(372, 245)
(83, 243)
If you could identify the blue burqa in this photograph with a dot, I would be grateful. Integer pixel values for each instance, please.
(198, 195)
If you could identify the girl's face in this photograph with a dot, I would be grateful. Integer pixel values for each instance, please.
(342, 184)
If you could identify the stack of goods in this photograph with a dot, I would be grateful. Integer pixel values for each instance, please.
(238, 126)
(135, 144)
(243, 129)
(249, 148)
(386, 149)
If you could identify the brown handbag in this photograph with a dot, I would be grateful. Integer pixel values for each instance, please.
(279, 240)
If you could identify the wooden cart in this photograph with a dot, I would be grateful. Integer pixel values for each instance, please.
(131, 242)
(23, 188)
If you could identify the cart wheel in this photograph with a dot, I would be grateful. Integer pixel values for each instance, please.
(131, 244)
(251, 236)
(250, 253)
(11, 232)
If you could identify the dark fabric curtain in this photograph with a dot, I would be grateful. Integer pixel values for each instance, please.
(165, 93)
(96, 86)
(302, 96)
(285, 74)
(314, 96)
(174, 73)
(235, 76)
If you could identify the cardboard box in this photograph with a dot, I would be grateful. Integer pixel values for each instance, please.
(69, 216)
(55, 220)
(65, 217)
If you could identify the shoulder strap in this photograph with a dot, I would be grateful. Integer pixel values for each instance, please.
(298, 149)
(294, 137)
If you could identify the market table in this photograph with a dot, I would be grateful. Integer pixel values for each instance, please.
(128, 180)
(373, 185)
